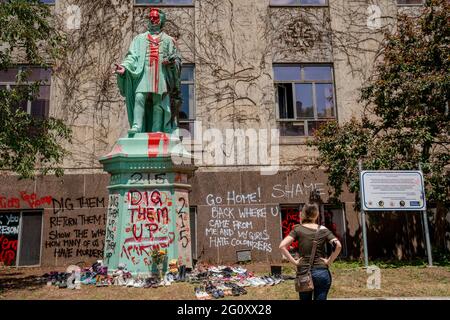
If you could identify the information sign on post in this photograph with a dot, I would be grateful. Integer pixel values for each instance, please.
(392, 190)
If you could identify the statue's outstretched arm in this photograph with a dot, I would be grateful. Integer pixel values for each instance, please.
(131, 59)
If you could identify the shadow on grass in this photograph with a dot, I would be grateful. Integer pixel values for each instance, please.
(438, 260)
(17, 283)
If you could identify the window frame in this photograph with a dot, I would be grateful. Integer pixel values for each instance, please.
(192, 108)
(163, 4)
(409, 4)
(20, 68)
(327, 2)
(302, 80)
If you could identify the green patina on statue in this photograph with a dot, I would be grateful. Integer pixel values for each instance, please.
(149, 79)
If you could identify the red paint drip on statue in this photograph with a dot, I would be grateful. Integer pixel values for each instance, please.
(154, 139)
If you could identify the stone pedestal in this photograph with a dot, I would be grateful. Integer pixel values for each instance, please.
(148, 202)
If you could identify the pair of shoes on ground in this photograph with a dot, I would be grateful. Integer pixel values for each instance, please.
(214, 291)
(102, 281)
(236, 290)
(201, 294)
(261, 281)
(152, 283)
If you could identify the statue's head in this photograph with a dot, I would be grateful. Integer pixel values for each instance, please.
(157, 18)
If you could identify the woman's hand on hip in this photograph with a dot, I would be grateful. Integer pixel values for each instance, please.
(326, 261)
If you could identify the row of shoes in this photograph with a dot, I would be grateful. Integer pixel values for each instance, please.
(264, 281)
(58, 279)
(228, 270)
(218, 290)
(146, 283)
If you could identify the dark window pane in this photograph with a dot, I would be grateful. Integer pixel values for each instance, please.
(40, 106)
(325, 100)
(313, 126)
(37, 74)
(283, 2)
(187, 93)
(313, 2)
(186, 129)
(187, 73)
(292, 129)
(174, 2)
(177, 1)
(8, 75)
(23, 104)
(285, 101)
(286, 73)
(317, 73)
(409, 1)
(30, 241)
(298, 2)
(304, 101)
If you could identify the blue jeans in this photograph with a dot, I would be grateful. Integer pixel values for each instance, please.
(322, 283)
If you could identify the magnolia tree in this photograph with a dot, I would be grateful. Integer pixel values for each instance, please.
(406, 118)
(28, 143)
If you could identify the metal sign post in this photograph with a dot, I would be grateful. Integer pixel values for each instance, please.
(426, 231)
(363, 224)
(395, 190)
(427, 238)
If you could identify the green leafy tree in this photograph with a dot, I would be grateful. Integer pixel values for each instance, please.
(406, 118)
(27, 37)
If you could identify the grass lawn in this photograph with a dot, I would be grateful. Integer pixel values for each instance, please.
(349, 280)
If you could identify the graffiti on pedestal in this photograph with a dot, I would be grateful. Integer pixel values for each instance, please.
(9, 235)
(148, 224)
(111, 225)
(183, 229)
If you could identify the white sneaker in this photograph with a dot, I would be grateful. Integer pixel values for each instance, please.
(138, 283)
(130, 282)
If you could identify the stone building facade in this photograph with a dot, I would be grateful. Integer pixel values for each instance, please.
(252, 65)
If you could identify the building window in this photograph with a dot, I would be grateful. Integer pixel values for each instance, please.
(39, 107)
(406, 2)
(187, 113)
(304, 97)
(298, 2)
(165, 2)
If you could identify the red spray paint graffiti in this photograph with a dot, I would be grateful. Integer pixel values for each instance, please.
(154, 139)
(31, 201)
(148, 226)
(290, 217)
(9, 234)
(34, 201)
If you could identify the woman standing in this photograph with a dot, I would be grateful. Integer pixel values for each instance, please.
(305, 233)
